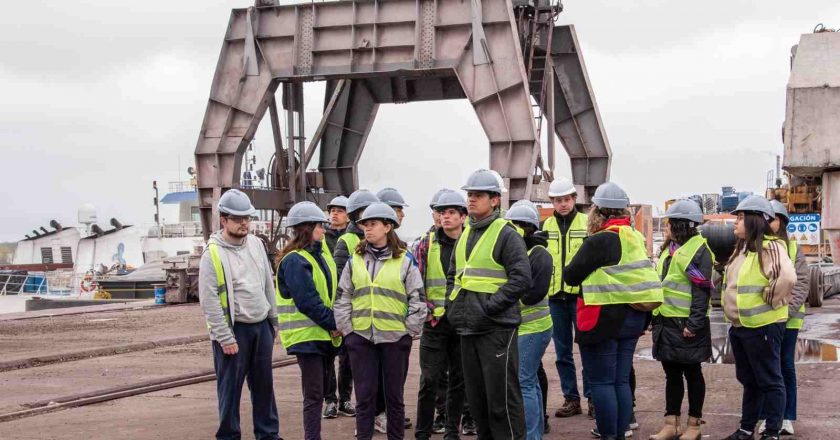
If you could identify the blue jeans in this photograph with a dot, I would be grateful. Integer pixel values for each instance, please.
(758, 367)
(789, 371)
(563, 316)
(531, 350)
(608, 364)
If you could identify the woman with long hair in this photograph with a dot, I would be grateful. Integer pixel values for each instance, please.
(757, 287)
(682, 339)
(619, 285)
(305, 284)
(379, 310)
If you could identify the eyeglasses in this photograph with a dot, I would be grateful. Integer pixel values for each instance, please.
(240, 220)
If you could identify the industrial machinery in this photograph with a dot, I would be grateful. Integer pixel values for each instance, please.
(508, 58)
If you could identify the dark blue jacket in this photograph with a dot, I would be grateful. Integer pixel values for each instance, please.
(295, 279)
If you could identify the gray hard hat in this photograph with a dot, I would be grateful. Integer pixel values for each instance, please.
(451, 198)
(437, 196)
(391, 197)
(337, 202)
(236, 202)
(523, 213)
(484, 180)
(381, 211)
(305, 212)
(528, 203)
(609, 195)
(685, 209)
(360, 199)
(756, 203)
(780, 209)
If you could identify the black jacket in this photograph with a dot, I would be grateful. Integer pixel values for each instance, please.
(331, 237)
(542, 268)
(447, 245)
(341, 254)
(475, 313)
(668, 342)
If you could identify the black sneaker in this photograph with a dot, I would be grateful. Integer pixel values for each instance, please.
(468, 426)
(596, 434)
(407, 423)
(740, 435)
(331, 410)
(439, 426)
(346, 409)
(546, 426)
(769, 437)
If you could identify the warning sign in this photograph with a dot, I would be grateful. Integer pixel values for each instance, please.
(804, 228)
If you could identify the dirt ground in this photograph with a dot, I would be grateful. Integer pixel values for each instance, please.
(190, 412)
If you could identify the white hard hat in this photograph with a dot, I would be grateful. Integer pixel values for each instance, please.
(561, 186)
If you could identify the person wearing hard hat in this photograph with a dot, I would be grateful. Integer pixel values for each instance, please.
(356, 204)
(796, 318)
(619, 285)
(682, 338)
(487, 276)
(379, 309)
(394, 199)
(306, 282)
(440, 345)
(337, 210)
(757, 289)
(236, 291)
(535, 329)
(566, 230)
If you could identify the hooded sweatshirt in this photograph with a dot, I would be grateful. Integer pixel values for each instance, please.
(249, 282)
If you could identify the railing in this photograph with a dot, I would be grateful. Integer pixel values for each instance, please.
(59, 283)
(183, 186)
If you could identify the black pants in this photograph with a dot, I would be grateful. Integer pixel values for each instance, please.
(491, 377)
(543, 388)
(758, 366)
(314, 369)
(674, 389)
(440, 353)
(370, 361)
(344, 382)
(251, 363)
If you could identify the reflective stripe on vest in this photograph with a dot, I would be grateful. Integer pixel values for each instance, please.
(633, 280)
(535, 318)
(676, 287)
(381, 302)
(213, 248)
(295, 327)
(435, 277)
(753, 311)
(351, 240)
(797, 318)
(556, 241)
(479, 273)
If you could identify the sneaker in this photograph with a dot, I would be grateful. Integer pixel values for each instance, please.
(439, 426)
(787, 427)
(546, 426)
(380, 423)
(633, 423)
(346, 409)
(331, 410)
(597, 434)
(590, 410)
(407, 423)
(468, 426)
(570, 408)
(769, 437)
(740, 435)
(760, 427)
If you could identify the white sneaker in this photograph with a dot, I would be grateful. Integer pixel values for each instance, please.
(787, 427)
(760, 427)
(380, 423)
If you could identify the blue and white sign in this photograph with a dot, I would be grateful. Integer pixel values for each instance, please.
(804, 228)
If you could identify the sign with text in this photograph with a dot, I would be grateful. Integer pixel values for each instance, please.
(804, 228)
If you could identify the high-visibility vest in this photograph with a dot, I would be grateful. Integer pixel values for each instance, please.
(295, 327)
(535, 318)
(753, 312)
(435, 277)
(797, 318)
(351, 240)
(480, 272)
(572, 241)
(632, 281)
(676, 287)
(381, 302)
(213, 248)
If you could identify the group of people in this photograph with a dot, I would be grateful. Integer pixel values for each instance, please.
(486, 291)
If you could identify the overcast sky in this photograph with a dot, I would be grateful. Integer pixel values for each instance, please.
(99, 98)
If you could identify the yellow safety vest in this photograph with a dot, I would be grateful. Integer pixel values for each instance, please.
(535, 318)
(632, 281)
(295, 327)
(753, 312)
(435, 278)
(480, 272)
(381, 302)
(213, 248)
(797, 318)
(572, 241)
(351, 240)
(676, 287)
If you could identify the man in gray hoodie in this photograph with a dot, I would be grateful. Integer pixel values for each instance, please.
(237, 295)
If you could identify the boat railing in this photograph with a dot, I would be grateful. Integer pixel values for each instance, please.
(193, 229)
(58, 282)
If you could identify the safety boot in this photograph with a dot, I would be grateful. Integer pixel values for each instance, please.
(692, 429)
(670, 431)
